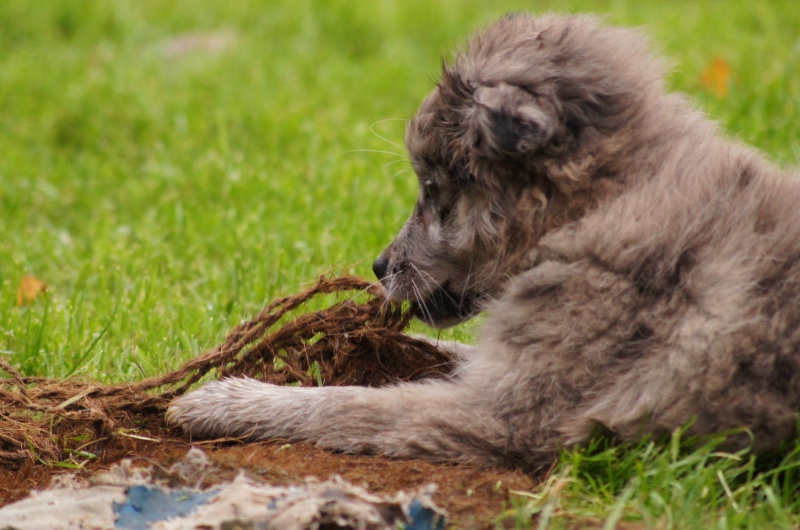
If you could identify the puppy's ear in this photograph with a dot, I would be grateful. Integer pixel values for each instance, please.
(506, 122)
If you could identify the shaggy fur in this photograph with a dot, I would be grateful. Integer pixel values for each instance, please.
(639, 271)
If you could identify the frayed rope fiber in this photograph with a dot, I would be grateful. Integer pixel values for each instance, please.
(348, 343)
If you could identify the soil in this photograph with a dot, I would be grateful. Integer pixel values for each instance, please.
(473, 497)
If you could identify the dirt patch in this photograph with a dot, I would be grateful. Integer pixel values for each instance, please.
(473, 497)
(48, 426)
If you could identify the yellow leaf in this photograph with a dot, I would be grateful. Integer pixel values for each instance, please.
(717, 77)
(29, 289)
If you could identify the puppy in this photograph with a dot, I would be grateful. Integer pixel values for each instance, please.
(640, 272)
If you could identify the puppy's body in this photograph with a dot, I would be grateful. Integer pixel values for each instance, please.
(639, 270)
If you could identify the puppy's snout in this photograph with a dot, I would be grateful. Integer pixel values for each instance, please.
(379, 267)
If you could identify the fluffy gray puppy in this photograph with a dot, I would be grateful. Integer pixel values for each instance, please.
(639, 270)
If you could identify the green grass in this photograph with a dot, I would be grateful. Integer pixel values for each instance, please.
(673, 484)
(164, 196)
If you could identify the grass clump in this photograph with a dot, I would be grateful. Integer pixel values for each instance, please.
(678, 483)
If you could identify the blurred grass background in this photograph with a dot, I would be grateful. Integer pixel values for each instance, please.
(167, 167)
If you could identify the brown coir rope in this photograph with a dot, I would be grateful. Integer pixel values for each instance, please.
(348, 343)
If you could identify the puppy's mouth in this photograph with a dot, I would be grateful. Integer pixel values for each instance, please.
(443, 308)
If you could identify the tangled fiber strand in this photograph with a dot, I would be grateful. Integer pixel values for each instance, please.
(349, 343)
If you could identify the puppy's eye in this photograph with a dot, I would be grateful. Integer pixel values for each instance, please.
(430, 190)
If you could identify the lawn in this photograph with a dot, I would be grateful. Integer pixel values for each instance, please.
(168, 167)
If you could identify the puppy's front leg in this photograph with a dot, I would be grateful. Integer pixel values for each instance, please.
(435, 420)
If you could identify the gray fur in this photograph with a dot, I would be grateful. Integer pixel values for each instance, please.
(639, 270)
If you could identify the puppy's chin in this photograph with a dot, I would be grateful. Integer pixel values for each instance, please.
(444, 309)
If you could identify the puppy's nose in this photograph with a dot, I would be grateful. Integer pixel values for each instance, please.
(379, 267)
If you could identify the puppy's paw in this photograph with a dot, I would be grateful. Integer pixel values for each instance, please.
(219, 408)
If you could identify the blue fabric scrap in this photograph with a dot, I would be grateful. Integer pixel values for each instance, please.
(147, 504)
(423, 518)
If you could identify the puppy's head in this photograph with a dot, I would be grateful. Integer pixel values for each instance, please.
(517, 130)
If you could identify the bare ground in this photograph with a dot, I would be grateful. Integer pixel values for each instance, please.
(473, 497)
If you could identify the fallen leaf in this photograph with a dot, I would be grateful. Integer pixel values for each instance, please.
(717, 77)
(29, 289)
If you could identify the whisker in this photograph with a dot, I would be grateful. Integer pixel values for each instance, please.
(399, 173)
(421, 273)
(397, 162)
(372, 130)
(436, 283)
(423, 306)
(370, 286)
(466, 282)
(388, 290)
(378, 151)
